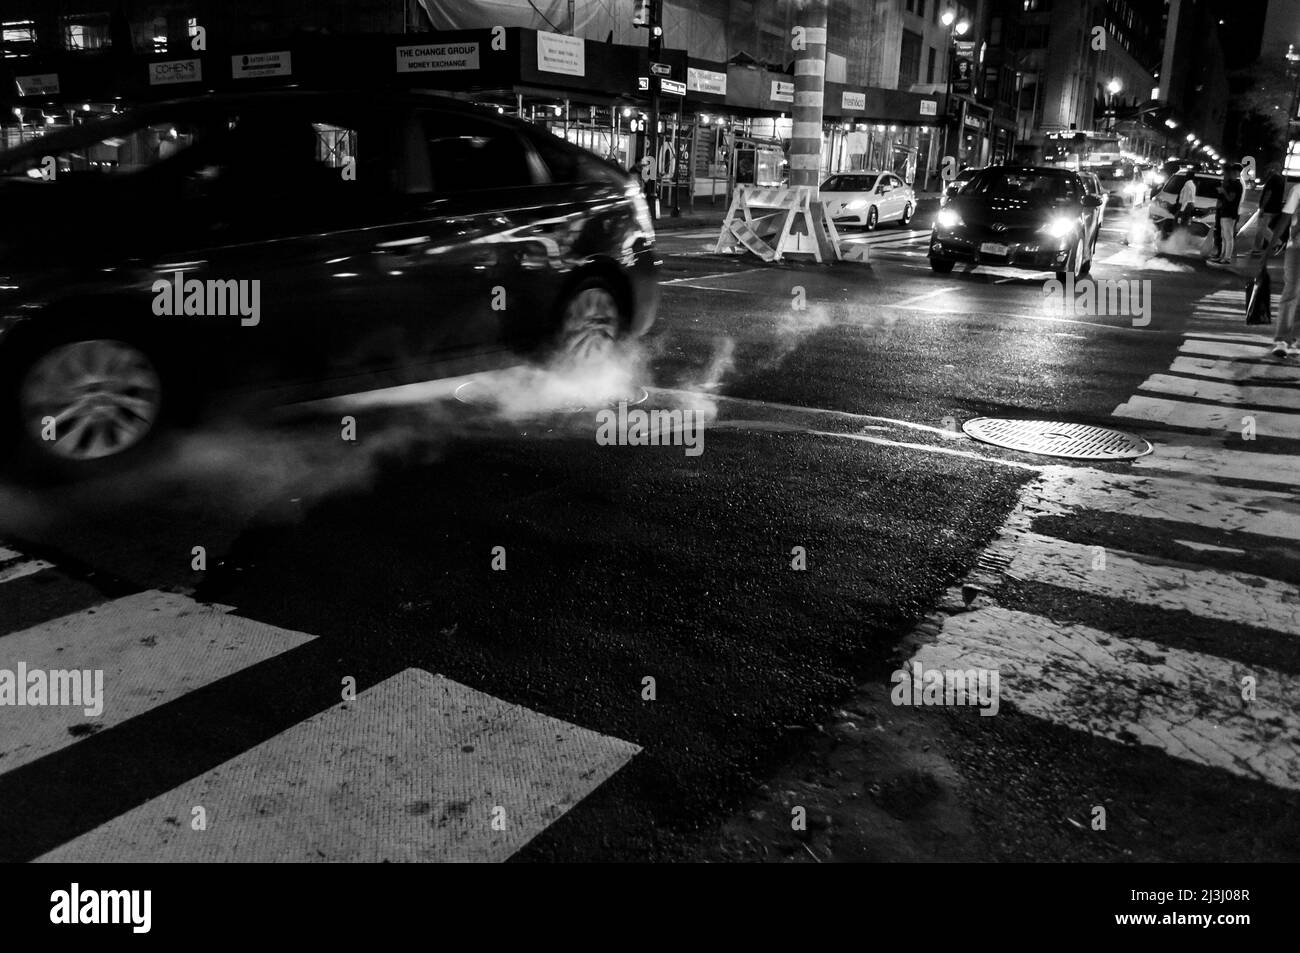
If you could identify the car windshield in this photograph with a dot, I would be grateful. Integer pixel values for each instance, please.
(1026, 186)
(850, 183)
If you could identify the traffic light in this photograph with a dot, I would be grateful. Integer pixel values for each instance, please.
(656, 41)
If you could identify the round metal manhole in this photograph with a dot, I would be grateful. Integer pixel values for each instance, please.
(1054, 438)
(523, 402)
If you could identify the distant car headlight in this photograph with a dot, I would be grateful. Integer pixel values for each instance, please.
(856, 204)
(1058, 227)
(947, 218)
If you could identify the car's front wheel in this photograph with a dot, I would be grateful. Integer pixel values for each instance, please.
(907, 214)
(591, 322)
(873, 217)
(82, 404)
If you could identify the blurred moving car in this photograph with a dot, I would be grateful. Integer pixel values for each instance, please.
(866, 199)
(296, 244)
(1032, 217)
(959, 182)
(1164, 213)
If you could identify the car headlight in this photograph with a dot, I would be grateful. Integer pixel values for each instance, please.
(947, 218)
(1058, 227)
(856, 204)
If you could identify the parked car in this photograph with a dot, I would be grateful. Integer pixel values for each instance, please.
(1163, 212)
(1031, 217)
(298, 244)
(866, 199)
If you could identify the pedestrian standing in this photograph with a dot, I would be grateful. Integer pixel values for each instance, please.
(1187, 201)
(1227, 211)
(1271, 197)
(1286, 338)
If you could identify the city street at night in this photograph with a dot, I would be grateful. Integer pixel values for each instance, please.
(829, 430)
(571, 432)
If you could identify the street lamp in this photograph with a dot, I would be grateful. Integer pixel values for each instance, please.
(1112, 90)
(956, 28)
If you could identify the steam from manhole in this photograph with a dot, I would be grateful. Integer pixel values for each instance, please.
(481, 392)
(1054, 438)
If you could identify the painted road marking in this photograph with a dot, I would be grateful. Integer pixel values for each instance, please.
(1235, 371)
(1284, 397)
(7, 554)
(1142, 580)
(1186, 704)
(416, 769)
(1216, 462)
(1224, 349)
(153, 647)
(1177, 413)
(23, 567)
(1228, 510)
(908, 302)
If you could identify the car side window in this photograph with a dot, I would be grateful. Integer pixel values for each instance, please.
(274, 174)
(467, 154)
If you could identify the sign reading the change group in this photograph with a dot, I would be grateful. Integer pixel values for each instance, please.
(557, 53)
(437, 57)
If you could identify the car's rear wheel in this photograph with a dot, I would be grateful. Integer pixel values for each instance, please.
(941, 265)
(907, 214)
(591, 322)
(80, 405)
(872, 218)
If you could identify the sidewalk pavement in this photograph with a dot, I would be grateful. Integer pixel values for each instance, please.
(705, 215)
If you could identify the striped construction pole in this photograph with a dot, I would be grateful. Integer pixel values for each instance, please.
(808, 41)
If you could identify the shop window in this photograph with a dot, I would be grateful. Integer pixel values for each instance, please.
(19, 38)
(91, 31)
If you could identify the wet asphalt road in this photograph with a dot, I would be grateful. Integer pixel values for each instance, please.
(623, 562)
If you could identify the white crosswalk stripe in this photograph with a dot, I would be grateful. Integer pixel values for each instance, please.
(416, 768)
(1187, 704)
(1194, 706)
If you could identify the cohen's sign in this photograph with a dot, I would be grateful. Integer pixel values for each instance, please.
(175, 71)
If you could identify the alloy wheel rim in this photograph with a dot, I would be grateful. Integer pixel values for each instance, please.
(590, 323)
(102, 396)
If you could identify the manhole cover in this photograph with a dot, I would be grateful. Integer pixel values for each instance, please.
(1056, 439)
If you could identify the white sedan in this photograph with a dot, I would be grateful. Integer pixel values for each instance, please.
(867, 199)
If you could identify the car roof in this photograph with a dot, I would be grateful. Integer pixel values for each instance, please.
(367, 100)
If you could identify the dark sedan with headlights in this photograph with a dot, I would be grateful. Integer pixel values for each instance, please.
(295, 244)
(1030, 217)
